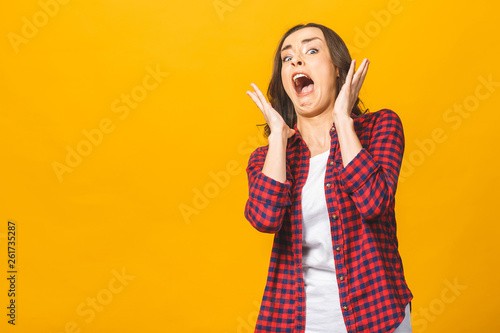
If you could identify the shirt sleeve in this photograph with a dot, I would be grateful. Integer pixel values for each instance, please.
(371, 177)
(268, 198)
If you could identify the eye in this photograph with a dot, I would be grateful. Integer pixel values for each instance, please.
(308, 52)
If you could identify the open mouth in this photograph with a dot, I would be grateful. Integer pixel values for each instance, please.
(303, 84)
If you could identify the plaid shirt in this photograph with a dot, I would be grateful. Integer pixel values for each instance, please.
(360, 200)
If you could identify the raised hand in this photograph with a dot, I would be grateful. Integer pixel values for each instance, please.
(276, 123)
(350, 90)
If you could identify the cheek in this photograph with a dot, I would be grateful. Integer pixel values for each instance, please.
(286, 84)
(328, 80)
(328, 74)
(283, 77)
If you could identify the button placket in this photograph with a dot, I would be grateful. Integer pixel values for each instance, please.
(338, 231)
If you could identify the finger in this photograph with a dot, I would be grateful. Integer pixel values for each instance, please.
(350, 73)
(256, 100)
(259, 94)
(362, 75)
(360, 69)
(359, 73)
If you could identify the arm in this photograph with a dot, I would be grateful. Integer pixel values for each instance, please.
(371, 177)
(268, 198)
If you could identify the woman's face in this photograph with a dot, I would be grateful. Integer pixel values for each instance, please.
(308, 73)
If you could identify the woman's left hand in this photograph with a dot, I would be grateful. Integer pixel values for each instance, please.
(349, 92)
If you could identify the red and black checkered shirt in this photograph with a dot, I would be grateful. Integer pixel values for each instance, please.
(360, 199)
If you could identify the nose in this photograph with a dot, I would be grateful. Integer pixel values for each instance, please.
(297, 61)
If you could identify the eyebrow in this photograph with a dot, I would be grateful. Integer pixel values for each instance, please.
(307, 40)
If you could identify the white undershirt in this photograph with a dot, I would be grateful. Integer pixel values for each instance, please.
(323, 311)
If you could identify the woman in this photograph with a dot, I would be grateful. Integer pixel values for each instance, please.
(325, 187)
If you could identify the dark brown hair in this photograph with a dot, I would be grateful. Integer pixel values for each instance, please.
(276, 92)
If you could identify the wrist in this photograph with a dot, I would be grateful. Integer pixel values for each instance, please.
(277, 137)
(343, 120)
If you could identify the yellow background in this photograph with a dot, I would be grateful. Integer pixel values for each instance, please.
(185, 143)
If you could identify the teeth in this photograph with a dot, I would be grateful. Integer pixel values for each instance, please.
(296, 76)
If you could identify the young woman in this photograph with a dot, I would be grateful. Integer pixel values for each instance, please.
(325, 187)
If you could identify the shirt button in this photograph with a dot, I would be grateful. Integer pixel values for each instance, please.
(341, 278)
(332, 129)
(345, 307)
(337, 248)
(331, 162)
(334, 217)
(328, 185)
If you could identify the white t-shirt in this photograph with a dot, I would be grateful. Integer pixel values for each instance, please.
(323, 311)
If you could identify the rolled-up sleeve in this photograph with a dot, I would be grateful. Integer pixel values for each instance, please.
(268, 199)
(371, 177)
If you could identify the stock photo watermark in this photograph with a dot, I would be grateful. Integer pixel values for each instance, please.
(381, 19)
(422, 316)
(12, 268)
(94, 137)
(219, 180)
(454, 116)
(247, 323)
(87, 310)
(31, 26)
(223, 6)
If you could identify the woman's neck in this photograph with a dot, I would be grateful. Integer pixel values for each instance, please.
(316, 131)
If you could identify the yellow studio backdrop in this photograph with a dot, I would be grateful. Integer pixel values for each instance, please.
(126, 131)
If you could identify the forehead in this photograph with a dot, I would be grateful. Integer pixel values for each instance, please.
(304, 33)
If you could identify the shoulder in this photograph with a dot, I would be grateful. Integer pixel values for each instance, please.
(258, 156)
(377, 116)
(262, 150)
(378, 120)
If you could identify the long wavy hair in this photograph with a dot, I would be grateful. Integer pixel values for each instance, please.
(276, 92)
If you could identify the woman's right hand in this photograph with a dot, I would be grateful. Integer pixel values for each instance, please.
(276, 123)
